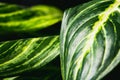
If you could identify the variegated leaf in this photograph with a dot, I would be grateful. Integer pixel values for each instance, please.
(14, 18)
(27, 54)
(47, 72)
(90, 40)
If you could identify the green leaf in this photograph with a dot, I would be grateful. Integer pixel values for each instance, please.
(47, 72)
(27, 54)
(16, 19)
(23, 55)
(90, 40)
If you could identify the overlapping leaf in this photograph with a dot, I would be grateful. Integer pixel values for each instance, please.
(90, 40)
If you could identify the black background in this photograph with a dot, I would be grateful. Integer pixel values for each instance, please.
(64, 4)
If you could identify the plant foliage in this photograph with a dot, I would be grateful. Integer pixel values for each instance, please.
(90, 38)
(89, 44)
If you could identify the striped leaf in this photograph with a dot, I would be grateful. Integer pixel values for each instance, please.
(14, 18)
(47, 72)
(27, 54)
(90, 40)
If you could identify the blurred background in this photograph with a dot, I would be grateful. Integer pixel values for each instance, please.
(63, 5)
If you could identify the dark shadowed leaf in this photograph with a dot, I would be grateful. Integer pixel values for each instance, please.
(47, 72)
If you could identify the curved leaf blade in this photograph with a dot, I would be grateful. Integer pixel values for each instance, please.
(47, 72)
(14, 18)
(27, 54)
(90, 38)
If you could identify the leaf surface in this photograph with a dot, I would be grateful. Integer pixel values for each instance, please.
(90, 40)
(27, 54)
(15, 20)
(21, 55)
(47, 72)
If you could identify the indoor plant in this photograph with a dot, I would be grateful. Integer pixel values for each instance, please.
(86, 36)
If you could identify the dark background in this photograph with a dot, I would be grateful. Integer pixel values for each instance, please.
(64, 4)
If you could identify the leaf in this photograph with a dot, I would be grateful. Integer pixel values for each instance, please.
(15, 19)
(23, 55)
(19, 56)
(47, 72)
(90, 40)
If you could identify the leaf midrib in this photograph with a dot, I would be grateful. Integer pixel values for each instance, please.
(103, 17)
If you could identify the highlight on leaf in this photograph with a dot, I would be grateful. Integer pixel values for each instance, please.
(26, 54)
(89, 40)
(14, 18)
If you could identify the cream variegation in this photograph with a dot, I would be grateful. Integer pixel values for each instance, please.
(89, 40)
(27, 54)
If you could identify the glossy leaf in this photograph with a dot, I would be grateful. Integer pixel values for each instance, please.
(27, 54)
(90, 40)
(14, 18)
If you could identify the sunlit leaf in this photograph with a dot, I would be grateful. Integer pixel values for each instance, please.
(90, 40)
(17, 19)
